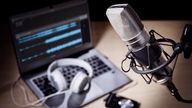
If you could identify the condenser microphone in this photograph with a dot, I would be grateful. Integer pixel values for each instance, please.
(148, 58)
(128, 26)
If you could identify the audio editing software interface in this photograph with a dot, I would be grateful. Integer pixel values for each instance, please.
(47, 42)
(39, 45)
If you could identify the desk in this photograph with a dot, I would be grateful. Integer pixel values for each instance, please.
(106, 40)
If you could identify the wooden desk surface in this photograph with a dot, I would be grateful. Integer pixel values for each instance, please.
(106, 40)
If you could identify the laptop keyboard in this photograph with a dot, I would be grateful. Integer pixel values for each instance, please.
(99, 67)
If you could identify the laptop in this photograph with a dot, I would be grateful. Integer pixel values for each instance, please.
(60, 31)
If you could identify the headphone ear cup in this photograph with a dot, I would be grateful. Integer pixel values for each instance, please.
(79, 82)
(58, 80)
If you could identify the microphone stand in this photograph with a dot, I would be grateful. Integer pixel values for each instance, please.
(186, 47)
(178, 48)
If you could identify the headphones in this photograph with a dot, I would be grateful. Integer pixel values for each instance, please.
(80, 81)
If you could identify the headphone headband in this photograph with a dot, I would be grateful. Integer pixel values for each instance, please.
(70, 61)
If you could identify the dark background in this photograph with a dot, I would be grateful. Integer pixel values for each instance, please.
(147, 9)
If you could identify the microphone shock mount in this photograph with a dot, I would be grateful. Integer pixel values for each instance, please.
(149, 71)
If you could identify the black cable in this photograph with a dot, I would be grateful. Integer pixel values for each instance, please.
(174, 92)
(122, 62)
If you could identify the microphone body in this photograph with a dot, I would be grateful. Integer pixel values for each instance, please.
(128, 26)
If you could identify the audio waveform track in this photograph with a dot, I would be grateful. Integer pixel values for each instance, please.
(34, 56)
(60, 47)
(56, 38)
(27, 38)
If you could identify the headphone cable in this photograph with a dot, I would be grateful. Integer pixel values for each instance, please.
(36, 103)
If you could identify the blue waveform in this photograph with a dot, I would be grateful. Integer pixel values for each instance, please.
(31, 57)
(32, 46)
(68, 34)
(47, 32)
(65, 45)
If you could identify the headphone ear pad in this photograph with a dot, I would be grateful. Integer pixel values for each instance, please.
(58, 80)
(79, 82)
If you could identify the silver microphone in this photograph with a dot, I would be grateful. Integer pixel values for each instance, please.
(147, 56)
(128, 26)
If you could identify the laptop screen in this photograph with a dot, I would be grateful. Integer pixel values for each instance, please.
(44, 35)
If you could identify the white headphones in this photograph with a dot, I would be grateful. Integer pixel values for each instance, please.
(79, 82)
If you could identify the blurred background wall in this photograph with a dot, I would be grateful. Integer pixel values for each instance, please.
(147, 9)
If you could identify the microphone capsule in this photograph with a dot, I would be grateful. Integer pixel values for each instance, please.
(128, 26)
